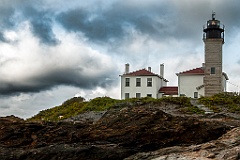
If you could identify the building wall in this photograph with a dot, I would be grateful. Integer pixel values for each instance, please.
(187, 85)
(224, 84)
(143, 89)
(213, 58)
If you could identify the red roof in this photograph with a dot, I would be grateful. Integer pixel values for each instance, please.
(172, 90)
(199, 71)
(143, 72)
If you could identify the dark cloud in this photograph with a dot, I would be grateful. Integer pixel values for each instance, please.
(114, 22)
(41, 23)
(158, 20)
(97, 29)
(14, 12)
(69, 77)
(6, 21)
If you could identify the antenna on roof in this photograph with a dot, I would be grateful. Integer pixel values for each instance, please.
(213, 15)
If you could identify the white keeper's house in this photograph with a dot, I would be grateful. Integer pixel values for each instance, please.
(145, 83)
(191, 82)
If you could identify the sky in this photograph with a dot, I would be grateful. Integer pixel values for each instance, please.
(53, 50)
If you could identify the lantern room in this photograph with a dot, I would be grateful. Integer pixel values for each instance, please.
(213, 29)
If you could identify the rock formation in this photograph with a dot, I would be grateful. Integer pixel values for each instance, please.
(123, 132)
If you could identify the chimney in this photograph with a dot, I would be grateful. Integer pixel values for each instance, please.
(162, 70)
(126, 68)
(203, 65)
(149, 69)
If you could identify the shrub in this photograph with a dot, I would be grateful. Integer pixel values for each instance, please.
(99, 104)
(229, 101)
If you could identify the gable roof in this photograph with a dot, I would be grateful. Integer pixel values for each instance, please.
(198, 71)
(169, 90)
(143, 72)
(195, 71)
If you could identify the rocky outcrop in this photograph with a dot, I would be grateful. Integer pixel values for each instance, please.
(225, 147)
(118, 134)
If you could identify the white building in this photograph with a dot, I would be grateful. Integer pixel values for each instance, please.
(191, 82)
(143, 83)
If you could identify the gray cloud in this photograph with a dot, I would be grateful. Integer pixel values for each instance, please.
(113, 23)
(55, 78)
(41, 22)
(14, 12)
(71, 63)
(156, 19)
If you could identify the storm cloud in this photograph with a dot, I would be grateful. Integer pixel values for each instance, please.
(115, 22)
(28, 67)
(41, 24)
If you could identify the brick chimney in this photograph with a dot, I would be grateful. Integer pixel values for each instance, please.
(162, 70)
(126, 68)
(149, 69)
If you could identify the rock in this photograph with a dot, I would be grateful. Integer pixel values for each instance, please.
(86, 117)
(11, 119)
(138, 131)
(225, 147)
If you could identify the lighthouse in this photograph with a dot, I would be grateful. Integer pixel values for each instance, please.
(213, 39)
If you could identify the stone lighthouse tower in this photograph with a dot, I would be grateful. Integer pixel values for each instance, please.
(213, 38)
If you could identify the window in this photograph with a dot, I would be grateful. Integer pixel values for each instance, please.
(127, 82)
(138, 82)
(212, 70)
(138, 95)
(149, 82)
(149, 95)
(126, 95)
(195, 94)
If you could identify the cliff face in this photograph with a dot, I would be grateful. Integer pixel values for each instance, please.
(118, 134)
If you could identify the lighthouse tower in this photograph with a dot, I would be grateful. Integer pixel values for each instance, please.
(213, 38)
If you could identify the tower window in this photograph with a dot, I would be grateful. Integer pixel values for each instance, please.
(127, 82)
(212, 70)
(138, 82)
(149, 82)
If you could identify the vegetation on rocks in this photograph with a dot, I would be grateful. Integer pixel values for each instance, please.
(229, 102)
(77, 105)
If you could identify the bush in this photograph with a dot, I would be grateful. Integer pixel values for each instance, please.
(182, 101)
(192, 110)
(99, 104)
(229, 101)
